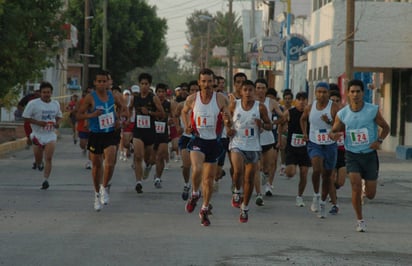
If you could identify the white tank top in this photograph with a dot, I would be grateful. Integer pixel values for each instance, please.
(206, 118)
(266, 136)
(246, 137)
(319, 129)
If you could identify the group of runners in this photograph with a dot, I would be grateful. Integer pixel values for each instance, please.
(249, 125)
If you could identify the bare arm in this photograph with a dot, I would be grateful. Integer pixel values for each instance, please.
(304, 122)
(188, 105)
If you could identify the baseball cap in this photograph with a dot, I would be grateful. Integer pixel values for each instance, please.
(126, 92)
(178, 89)
(135, 88)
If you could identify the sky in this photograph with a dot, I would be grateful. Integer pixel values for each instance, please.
(176, 12)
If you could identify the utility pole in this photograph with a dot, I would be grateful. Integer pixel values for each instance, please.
(287, 61)
(350, 37)
(230, 45)
(104, 37)
(85, 81)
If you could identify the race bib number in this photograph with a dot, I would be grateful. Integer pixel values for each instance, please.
(297, 140)
(359, 136)
(49, 126)
(322, 137)
(204, 121)
(106, 120)
(143, 121)
(160, 127)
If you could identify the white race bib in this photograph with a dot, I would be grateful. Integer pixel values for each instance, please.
(322, 137)
(49, 127)
(143, 121)
(204, 120)
(297, 140)
(359, 136)
(106, 120)
(160, 127)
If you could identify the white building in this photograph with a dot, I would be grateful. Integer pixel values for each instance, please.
(382, 48)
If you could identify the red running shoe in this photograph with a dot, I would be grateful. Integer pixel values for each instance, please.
(243, 216)
(191, 203)
(204, 217)
(236, 200)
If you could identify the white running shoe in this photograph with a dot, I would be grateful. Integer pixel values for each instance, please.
(268, 190)
(282, 170)
(299, 202)
(157, 182)
(97, 203)
(104, 195)
(88, 165)
(361, 226)
(322, 210)
(315, 203)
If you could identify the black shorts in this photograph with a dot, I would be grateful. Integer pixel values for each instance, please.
(265, 148)
(98, 142)
(366, 164)
(147, 136)
(340, 161)
(297, 156)
(212, 149)
(225, 145)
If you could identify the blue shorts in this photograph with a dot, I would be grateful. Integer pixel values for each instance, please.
(328, 153)
(183, 141)
(212, 149)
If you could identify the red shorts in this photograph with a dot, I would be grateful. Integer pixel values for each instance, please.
(173, 132)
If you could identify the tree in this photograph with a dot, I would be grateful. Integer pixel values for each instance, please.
(198, 35)
(30, 32)
(136, 36)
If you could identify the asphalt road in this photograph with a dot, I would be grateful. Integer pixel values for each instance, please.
(60, 227)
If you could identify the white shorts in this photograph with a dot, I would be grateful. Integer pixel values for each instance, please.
(42, 140)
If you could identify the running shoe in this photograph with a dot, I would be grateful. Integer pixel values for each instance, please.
(191, 203)
(334, 210)
(97, 203)
(299, 202)
(157, 183)
(45, 185)
(361, 226)
(236, 200)
(34, 166)
(40, 166)
(244, 217)
(264, 177)
(139, 188)
(185, 193)
(282, 170)
(268, 190)
(204, 217)
(146, 171)
(104, 195)
(259, 200)
(322, 210)
(88, 165)
(315, 203)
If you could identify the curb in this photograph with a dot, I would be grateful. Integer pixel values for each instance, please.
(12, 146)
